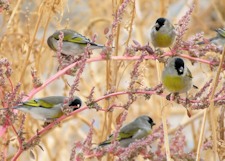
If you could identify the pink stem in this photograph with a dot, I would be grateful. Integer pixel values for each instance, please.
(63, 71)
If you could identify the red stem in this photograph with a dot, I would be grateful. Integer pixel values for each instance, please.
(63, 71)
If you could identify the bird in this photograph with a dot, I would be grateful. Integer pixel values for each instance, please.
(47, 108)
(73, 43)
(219, 39)
(163, 33)
(137, 129)
(176, 77)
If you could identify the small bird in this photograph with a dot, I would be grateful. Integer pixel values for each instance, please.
(137, 129)
(176, 77)
(73, 43)
(48, 108)
(162, 33)
(219, 39)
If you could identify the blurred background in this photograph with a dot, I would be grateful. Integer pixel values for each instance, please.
(25, 27)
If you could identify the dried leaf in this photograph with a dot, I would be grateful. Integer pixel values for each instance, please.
(119, 118)
(32, 154)
(106, 30)
(41, 147)
(188, 113)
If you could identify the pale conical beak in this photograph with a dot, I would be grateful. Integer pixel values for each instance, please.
(156, 25)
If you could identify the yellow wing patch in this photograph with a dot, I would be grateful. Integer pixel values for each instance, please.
(38, 103)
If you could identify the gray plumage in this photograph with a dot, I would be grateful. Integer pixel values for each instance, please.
(163, 33)
(73, 43)
(219, 39)
(137, 129)
(176, 77)
(47, 108)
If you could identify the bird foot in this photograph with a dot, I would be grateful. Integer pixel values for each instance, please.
(172, 97)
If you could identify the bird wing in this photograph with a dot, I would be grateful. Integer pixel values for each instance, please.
(221, 32)
(38, 103)
(76, 38)
(141, 133)
(46, 102)
(53, 99)
(128, 131)
(121, 136)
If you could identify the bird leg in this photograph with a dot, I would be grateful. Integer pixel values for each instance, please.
(49, 121)
(172, 52)
(158, 51)
(46, 123)
(168, 96)
(172, 96)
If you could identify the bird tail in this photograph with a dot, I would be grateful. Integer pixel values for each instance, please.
(104, 143)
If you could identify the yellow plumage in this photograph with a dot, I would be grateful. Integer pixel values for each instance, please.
(176, 77)
(174, 83)
(162, 40)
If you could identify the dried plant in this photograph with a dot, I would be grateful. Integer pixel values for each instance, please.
(116, 84)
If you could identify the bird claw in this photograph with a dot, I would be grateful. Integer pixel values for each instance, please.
(168, 97)
(46, 123)
(49, 121)
(172, 97)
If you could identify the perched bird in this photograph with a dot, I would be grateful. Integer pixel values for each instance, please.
(137, 129)
(219, 39)
(176, 77)
(48, 108)
(162, 33)
(73, 43)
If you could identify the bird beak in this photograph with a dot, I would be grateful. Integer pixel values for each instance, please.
(156, 25)
(153, 124)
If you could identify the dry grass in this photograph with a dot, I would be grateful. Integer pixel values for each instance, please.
(25, 27)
